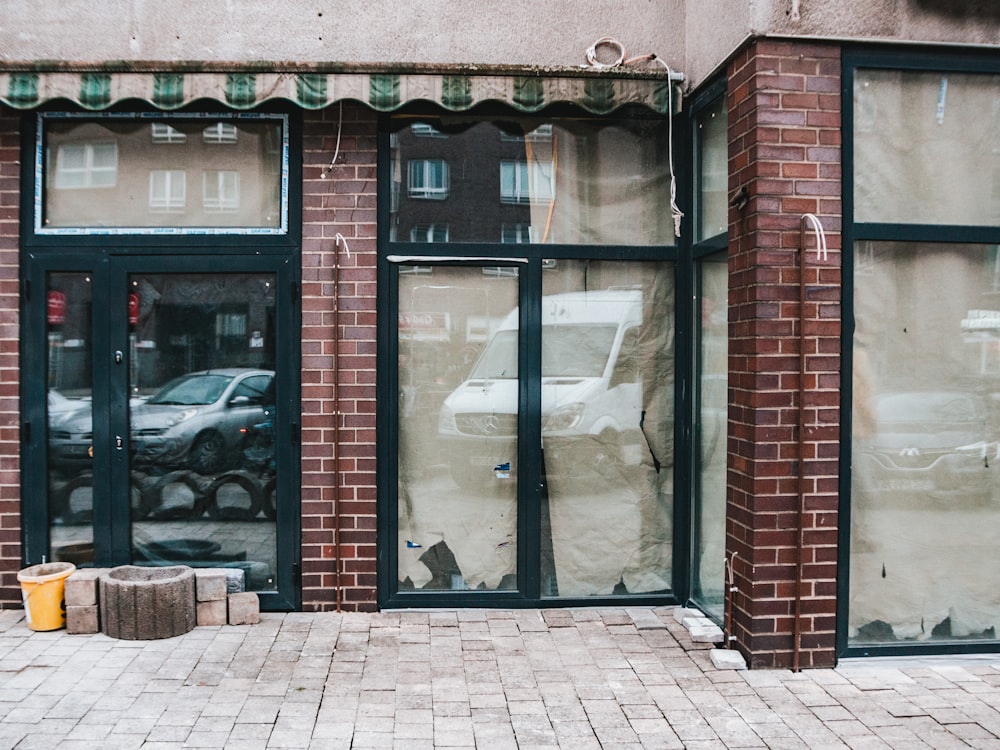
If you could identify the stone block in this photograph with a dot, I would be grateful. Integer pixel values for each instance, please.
(710, 633)
(138, 603)
(244, 608)
(682, 613)
(724, 658)
(81, 587)
(82, 619)
(212, 612)
(212, 584)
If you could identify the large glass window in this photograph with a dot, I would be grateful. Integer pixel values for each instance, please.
(581, 182)
(926, 422)
(608, 427)
(926, 147)
(243, 160)
(533, 431)
(925, 410)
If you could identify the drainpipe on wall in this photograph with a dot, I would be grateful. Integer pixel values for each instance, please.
(821, 254)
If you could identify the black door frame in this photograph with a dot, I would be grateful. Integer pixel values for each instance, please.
(112, 523)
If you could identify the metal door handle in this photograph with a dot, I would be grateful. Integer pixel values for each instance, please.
(119, 356)
(119, 443)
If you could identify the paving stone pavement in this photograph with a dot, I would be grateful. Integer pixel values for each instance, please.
(579, 678)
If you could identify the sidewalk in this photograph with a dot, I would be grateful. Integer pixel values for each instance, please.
(581, 678)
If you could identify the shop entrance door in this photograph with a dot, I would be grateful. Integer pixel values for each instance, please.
(163, 401)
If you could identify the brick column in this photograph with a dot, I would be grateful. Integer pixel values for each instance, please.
(10, 414)
(338, 198)
(784, 151)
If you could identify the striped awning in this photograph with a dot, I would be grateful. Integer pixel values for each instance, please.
(456, 89)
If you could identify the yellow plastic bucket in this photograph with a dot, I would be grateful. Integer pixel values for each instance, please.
(43, 589)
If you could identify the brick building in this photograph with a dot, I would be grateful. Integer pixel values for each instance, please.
(432, 315)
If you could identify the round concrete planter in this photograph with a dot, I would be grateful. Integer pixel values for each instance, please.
(140, 603)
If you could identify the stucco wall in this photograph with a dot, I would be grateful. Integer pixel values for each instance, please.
(694, 37)
(555, 32)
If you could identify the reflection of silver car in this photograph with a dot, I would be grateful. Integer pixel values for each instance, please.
(197, 420)
(936, 442)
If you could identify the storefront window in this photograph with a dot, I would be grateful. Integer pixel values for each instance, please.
(608, 427)
(111, 174)
(926, 425)
(926, 147)
(713, 172)
(581, 183)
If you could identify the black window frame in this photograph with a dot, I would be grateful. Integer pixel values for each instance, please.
(911, 59)
(529, 258)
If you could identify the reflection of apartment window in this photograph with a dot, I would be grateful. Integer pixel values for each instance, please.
(163, 133)
(425, 130)
(500, 271)
(221, 190)
(542, 133)
(524, 183)
(429, 233)
(394, 197)
(427, 178)
(166, 190)
(515, 233)
(220, 132)
(87, 165)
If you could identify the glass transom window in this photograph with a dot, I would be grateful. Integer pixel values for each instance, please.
(189, 174)
(575, 182)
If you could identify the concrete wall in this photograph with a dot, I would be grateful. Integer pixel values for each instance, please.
(496, 32)
(694, 36)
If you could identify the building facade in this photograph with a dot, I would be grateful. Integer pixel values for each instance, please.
(434, 312)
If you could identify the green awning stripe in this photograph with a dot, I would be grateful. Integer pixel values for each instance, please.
(383, 92)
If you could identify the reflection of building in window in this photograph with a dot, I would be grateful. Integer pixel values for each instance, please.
(515, 233)
(541, 134)
(425, 130)
(427, 178)
(221, 190)
(220, 132)
(163, 133)
(429, 233)
(167, 189)
(87, 165)
(524, 183)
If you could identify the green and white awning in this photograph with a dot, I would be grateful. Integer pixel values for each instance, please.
(456, 89)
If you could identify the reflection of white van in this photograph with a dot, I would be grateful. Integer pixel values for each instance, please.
(591, 394)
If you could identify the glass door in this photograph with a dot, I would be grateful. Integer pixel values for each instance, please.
(458, 340)
(534, 429)
(163, 400)
(201, 419)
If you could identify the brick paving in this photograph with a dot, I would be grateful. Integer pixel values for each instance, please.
(581, 678)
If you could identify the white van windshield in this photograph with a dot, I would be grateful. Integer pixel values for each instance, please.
(578, 351)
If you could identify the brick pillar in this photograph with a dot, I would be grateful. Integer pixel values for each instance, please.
(10, 415)
(784, 151)
(338, 199)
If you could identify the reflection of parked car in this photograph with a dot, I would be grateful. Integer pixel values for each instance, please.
(591, 394)
(935, 442)
(70, 435)
(196, 421)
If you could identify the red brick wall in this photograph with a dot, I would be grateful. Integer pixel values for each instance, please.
(784, 135)
(10, 480)
(338, 199)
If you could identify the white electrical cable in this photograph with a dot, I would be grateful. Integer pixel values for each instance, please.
(817, 227)
(336, 150)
